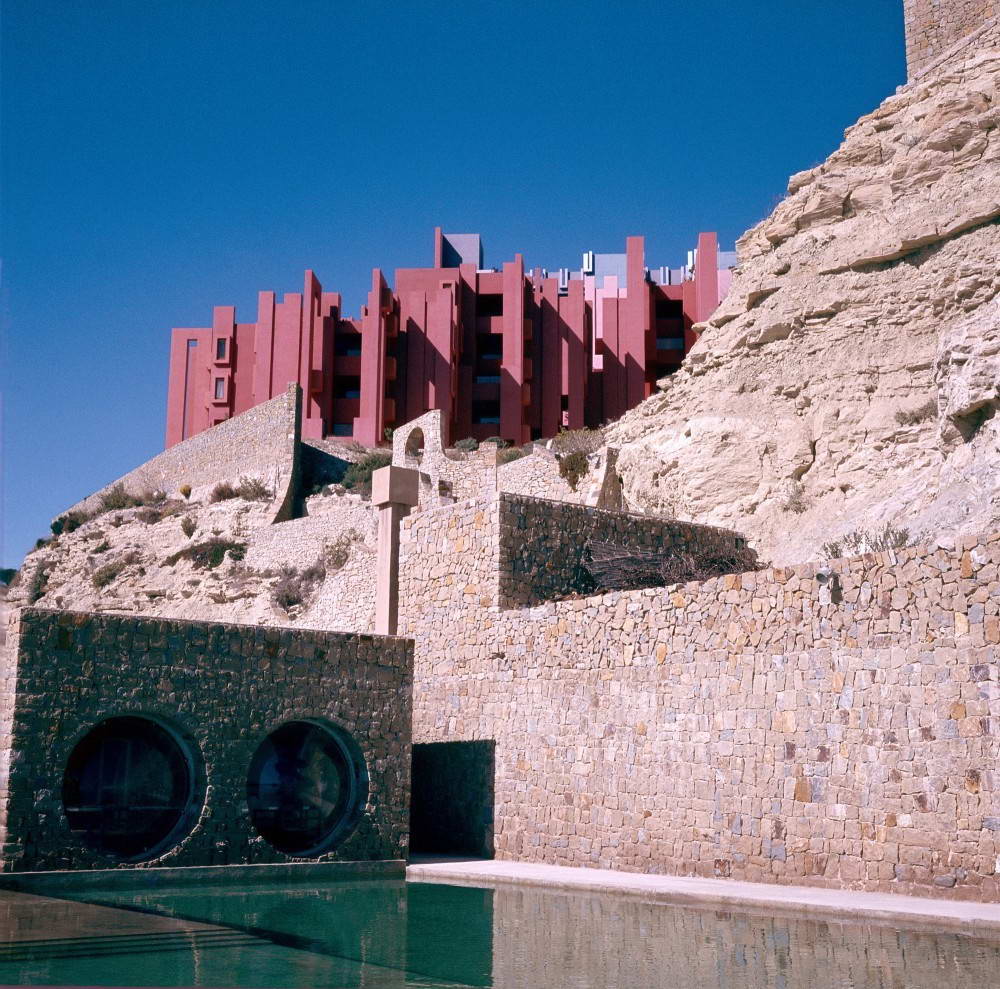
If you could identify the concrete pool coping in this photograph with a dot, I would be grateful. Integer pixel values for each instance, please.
(965, 916)
(133, 877)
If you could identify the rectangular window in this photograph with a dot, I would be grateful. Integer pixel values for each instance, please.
(220, 349)
(670, 343)
(343, 429)
(220, 388)
(486, 412)
(490, 304)
(487, 379)
(348, 345)
(347, 386)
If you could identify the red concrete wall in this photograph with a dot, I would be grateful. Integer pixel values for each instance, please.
(432, 343)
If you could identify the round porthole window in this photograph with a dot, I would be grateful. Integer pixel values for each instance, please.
(306, 787)
(128, 789)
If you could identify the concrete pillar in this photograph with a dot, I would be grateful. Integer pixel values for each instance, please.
(395, 490)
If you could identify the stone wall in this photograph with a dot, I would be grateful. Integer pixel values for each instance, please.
(223, 689)
(936, 30)
(537, 475)
(543, 544)
(261, 443)
(834, 728)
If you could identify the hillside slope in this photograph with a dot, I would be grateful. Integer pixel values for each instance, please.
(851, 377)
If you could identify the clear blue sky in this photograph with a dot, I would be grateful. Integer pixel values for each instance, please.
(160, 158)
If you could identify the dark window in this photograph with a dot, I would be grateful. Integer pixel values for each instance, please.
(342, 429)
(489, 304)
(220, 387)
(669, 309)
(670, 343)
(489, 347)
(305, 788)
(128, 788)
(487, 379)
(348, 386)
(348, 345)
(486, 412)
(220, 350)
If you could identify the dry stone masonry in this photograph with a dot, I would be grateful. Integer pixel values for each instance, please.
(221, 689)
(823, 725)
(938, 30)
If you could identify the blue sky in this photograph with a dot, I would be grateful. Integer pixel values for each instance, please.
(160, 158)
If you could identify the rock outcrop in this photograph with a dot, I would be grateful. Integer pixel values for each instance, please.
(851, 377)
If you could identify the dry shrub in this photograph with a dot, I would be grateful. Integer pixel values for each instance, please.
(506, 456)
(110, 571)
(339, 551)
(583, 441)
(185, 490)
(209, 554)
(468, 444)
(796, 500)
(295, 588)
(862, 541)
(573, 467)
(910, 417)
(223, 491)
(188, 526)
(253, 489)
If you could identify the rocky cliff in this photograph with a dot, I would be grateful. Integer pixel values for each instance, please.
(851, 377)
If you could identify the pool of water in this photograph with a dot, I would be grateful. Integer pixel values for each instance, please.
(388, 933)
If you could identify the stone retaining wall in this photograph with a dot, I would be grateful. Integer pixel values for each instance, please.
(940, 29)
(795, 725)
(261, 443)
(543, 543)
(222, 688)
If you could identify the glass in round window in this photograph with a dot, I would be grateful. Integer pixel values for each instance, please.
(128, 787)
(304, 788)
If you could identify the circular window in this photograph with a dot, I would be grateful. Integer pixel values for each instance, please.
(305, 788)
(128, 788)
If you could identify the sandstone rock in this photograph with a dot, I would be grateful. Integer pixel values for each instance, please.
(869, 295)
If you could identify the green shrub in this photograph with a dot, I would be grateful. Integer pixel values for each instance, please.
(223, 491)
(573, 467)
(102, 547)
(358, 477)
(506, 456)
(70, 522)
(469, 444)
(498, 441)
(209, 554)
(39, 543)
(7, 575)
(106, 574)
(253, 489)
(188, 526)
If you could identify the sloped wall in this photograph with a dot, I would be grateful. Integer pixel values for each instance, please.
(937, 29)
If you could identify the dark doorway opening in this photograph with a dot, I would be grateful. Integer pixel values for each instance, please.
(452, 798)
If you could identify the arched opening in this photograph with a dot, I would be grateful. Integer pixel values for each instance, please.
(128, 788)
(306, 787)
(414, 448)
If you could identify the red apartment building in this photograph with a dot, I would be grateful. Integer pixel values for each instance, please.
(510, 352)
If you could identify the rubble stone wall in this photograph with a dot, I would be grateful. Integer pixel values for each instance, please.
(542, 544)
(939, 29)
(794, 725)
(178, 672)
(261, 443)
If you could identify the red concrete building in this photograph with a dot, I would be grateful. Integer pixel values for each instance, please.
(509, 352)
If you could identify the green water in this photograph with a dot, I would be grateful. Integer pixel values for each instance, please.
(384, 933)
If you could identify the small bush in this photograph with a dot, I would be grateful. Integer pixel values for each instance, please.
(185, 490)
(796, 500)
(573, 467)
(39, 584)
(506, 456)
(70, 522)
(498, 441)
(910, 417)
(578, 441)
(339, 551)
(7, 575)
(253, 489)
(294, 588)
(117, 498)
(106, 574)
(387, 434)
(223, 491)
(188, 526)
(358, 477)
(868, 541)
(469, 444)
(39, 543)
(209, 554)
(102, 547)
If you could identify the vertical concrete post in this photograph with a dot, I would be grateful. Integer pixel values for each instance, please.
(395, 490)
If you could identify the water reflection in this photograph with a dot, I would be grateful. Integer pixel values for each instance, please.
(390, 934)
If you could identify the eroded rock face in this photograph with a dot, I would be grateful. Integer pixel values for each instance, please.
(850, 377)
